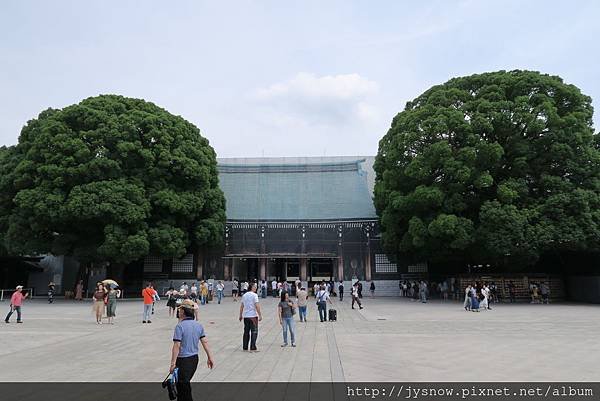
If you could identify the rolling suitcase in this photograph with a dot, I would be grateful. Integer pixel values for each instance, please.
(332, 315)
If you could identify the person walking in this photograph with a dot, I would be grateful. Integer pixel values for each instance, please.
(210, 294)
(51, 289)
(183, 290)
(545, 291)
(286, 318)
(220, 288)
(251, 314)
(184, 353)
(322, 298)
(16, 301)
(359, 289)
(341, 290)
(171, 295)
(355, 296)
(467, 303)
(235, 289)
(203, 293)
(98, 299)
(372, 289)
(149, 295)
(79, 291)
(302, 297)
(263, 289)
(423, 292)
(274, 288)
(511, 292)
(194, 292)
(111, 303)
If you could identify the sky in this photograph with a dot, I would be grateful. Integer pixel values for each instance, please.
(281, 78)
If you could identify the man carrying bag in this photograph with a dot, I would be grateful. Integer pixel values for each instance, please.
(184, 354)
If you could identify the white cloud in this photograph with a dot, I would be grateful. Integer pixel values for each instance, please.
(326, 100)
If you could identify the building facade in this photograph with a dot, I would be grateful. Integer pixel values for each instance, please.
(307, 219)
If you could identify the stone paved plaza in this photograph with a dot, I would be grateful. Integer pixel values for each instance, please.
(390, 340)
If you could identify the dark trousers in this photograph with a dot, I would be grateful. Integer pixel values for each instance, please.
(322, 306)
(12, 309)
(357, 300)
(187, 367)
(250, 333)
(341, 295)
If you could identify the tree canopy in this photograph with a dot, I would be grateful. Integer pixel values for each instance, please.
(489, 166)
(111, 179)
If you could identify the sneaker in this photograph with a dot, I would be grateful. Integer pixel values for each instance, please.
(361, 307)
(143, 321)
(284, 345)
(293, 345)
(149, 321)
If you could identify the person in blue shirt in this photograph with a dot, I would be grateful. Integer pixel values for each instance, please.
(184, 354)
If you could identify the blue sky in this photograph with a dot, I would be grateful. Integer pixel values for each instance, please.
(280, 78)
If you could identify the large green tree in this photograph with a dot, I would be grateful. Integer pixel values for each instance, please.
(490, 166)
(110, 179)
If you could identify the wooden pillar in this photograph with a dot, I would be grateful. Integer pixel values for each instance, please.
(198, 260)
(340, 272)
(303, 269)
(233, 268)
(226, 269)
(368, 263)
(263, 268)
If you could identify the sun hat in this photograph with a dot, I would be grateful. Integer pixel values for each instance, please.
(187, 303)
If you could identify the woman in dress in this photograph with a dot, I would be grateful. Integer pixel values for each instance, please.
(171, 295)
(79, 291)
(111, 304)
(286, 318)
(98, 299)
(484, 294)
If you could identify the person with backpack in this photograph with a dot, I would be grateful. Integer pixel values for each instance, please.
(322, 298)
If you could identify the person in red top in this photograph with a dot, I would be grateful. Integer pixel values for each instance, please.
(15, 304)
(148, 293)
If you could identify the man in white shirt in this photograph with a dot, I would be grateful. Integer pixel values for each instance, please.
(250, 313)
(322, 297)
(274, 288)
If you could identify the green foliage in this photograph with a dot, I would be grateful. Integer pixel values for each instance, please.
(110, 178)
(495, 165)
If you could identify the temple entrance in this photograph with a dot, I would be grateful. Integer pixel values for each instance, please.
(320, 269)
